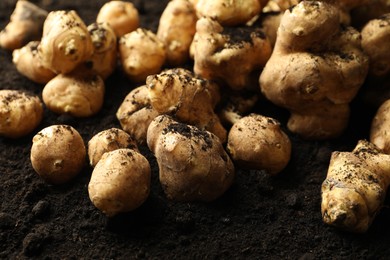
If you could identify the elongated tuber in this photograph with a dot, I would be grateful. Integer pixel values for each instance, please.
(176, 30)
(315, 70)
(355, 187)
(193, 166)
(379, 132)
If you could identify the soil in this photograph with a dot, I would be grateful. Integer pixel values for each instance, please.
(259, 217)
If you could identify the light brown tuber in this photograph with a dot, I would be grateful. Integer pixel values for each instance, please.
(229, 54)
(177, 27)
(193, 165)
(20, 113)
(65, 42)
(141, 54)
(58, 153)
(28, 62)
(355, 187)
(379, 132)
(136, 112)
(80, 93)
(120, 182)
(258, 142)
(122, 16)
(25, 25)
(315, 70)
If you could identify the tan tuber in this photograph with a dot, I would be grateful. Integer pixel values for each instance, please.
(20, 113)
(107, 141)
(315, 70)
(193, 165)
(355, 187)
(141, 54)
(58, 153)
(122, 16)
(258, 142)
(136, 112)
(120, 182)
(65, 42)
(25, 25)
(29, 63)
(80, 93)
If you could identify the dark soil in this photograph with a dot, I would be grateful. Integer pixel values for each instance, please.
(260, 217)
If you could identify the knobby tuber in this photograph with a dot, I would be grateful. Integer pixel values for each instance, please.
(355, 187)
(193, 165)
(315, 70)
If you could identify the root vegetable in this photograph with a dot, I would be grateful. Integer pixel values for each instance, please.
(20, 113)
(176, 30)
(107, 141)
(315, 70)
(227, 12)
(65, 42)
(142, 54)
(120, 182)
(375, 42)
(355, 187)
(29, 63)
(229, 55)
(104, 57)
(80, 94)
(135, 113)
(379, 133)
(58, 153)
(25, 25)
(122, 16)
(193, 166)
(258, 142)
(191, 100)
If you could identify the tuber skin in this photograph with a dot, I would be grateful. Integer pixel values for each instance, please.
(28, 63)
(191, 100)
(20, 113)
(80, 94)
(142, 54)
(375, 42)
(58, 153)
(136, 112)
(107, 141)
(177, 27)
(229, 13)
(258, 142)
(229, 55)
(25, 25)
(122, 16)
(193, 166)
(315, 71)
(120, 182)
(355, 187)
(104, 58)
(65, 42)
(379, 133)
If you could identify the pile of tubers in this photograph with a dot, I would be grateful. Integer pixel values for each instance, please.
(308, 57)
